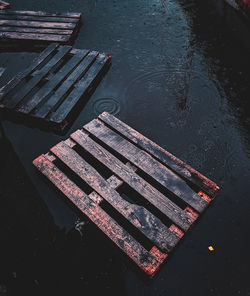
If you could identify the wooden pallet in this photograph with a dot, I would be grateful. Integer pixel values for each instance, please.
(37, 28)
(4, 5)
(53, 86)
(166, 196)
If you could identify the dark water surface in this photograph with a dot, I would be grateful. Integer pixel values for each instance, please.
(179, 75)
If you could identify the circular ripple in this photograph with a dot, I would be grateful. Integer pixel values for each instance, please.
(106, 105)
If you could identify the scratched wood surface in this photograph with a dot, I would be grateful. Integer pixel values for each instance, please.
(53, 85)
(145, 204)
(37, 27)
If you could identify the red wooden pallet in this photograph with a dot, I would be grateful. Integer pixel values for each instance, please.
(166, 195)
(4, 5)
(36, 27)
(53, 86)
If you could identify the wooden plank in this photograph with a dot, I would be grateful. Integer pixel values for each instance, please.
(33, 24)
(66, 85)
(162, 155)
(138, 216)
(80, 88)
(177, 215)
(144, 259)
(59, 19)
(21, 76)
(62, 51)
(54, 81)
(148, 164)
(34, 37)
(36, 30)
(4, 5)
(127, 174)
(41, 13)
(113, 181)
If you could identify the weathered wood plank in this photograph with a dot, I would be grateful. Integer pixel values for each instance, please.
(164, 156)
(4, 5)
(34, 37)
(20, 76)
(36, 30)
(113, 181)
(42, 13)
(59, 19)
(160, 201)
(52, 83)
(66, 85)
(144, 259)
(15, 99)
(148, 164)
(80, 88)
(33, 24)
(138, 216)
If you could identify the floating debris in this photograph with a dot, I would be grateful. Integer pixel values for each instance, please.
(211, 248)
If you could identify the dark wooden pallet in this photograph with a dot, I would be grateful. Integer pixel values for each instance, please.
(53, 86)
(4, 5)
(37, 28)
(166, 195)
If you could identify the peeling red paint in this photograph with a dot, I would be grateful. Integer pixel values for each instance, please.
(177, 231)
(158, 254)
(192, 214)
(205, 196)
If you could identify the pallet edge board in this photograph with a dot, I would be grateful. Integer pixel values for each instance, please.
(42, 13)
(61, 19)
(69, 153)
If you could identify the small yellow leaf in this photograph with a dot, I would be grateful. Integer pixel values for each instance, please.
(210, 248)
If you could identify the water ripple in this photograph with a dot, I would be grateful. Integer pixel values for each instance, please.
(106, 105)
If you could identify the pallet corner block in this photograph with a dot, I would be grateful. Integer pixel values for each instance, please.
(141, 196)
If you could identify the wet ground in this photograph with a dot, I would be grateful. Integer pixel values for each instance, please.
(179, 75)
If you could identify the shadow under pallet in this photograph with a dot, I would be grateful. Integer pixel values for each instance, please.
(53, 88)
(141, 196)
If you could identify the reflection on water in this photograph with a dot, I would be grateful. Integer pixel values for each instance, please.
(106, 105)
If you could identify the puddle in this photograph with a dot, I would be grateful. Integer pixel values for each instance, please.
(180, 76)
